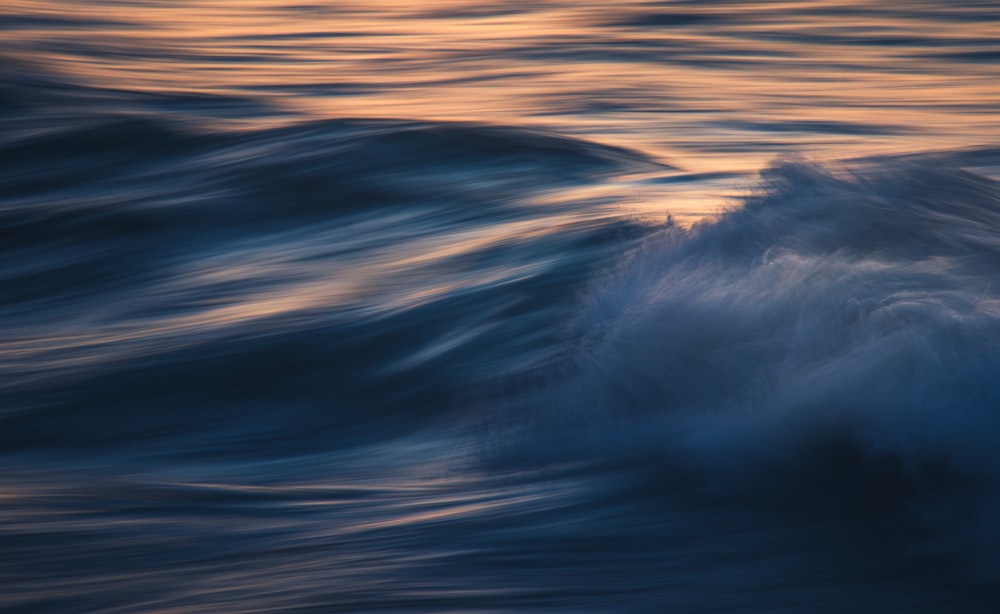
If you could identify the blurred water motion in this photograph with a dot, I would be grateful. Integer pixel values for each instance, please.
(383, 307)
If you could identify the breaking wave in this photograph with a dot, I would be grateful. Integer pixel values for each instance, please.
(836, 338)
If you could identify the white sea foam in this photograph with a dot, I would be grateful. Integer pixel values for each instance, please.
(853, 310)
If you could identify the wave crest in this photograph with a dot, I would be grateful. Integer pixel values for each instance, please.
(839, 318)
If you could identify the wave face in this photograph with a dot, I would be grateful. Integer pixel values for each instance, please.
(306, 265)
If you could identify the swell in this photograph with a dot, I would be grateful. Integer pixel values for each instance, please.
(108, 173)
(254, 292)
(836, 340)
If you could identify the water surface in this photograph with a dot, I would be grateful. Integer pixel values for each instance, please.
(555, 306)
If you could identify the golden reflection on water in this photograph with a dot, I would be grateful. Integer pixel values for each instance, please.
(721, 87)
(697, 84)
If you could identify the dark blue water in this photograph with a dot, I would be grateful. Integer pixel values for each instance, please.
(268, 352)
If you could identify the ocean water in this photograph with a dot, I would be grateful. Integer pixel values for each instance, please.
(461, 307)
